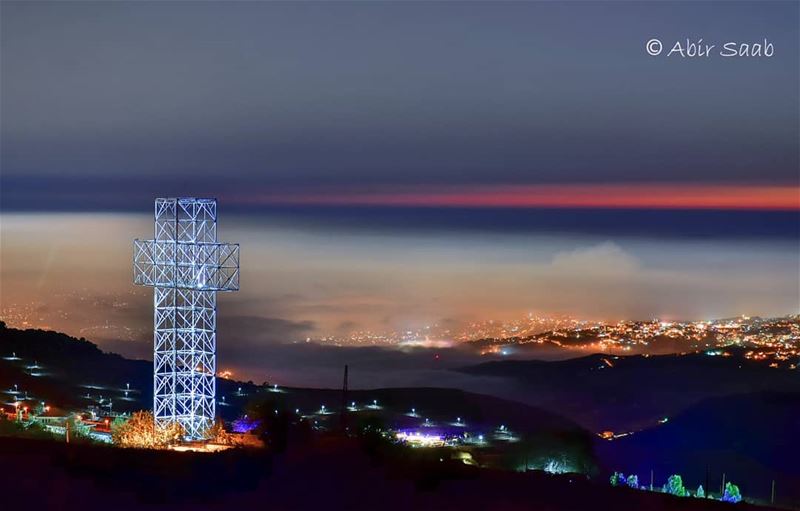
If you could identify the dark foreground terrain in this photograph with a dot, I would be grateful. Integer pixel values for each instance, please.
(751, 438)
(732, 418)
(327, 473)
(625, 393)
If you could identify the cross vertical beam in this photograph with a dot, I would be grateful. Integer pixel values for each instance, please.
(186, 266)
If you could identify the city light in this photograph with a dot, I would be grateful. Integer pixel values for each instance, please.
(418, 439)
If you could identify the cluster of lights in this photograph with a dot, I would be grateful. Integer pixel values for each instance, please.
(776, 340)
(437, 335)
(32, 315)
(418, 439)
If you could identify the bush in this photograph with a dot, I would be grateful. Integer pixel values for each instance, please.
(618, 479)
(731, 493)
(674, 486)
(24, 429)
(141, 431)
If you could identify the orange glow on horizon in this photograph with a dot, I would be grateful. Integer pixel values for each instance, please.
(619, 196)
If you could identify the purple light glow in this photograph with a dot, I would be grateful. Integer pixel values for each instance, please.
(245, 425)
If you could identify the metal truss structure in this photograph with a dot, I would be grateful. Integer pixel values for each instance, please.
(186, 266)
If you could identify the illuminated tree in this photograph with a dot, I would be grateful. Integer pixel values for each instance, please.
(731, 493)
(674, 486)
(217, 434)
(633, 481)
(140, 431)
(558, 466)
(701, 494)
(618, 479)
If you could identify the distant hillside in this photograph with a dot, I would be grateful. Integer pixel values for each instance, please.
(570, 344)
(604, 392)
(752, 438)
(64, 370)
(73, 373)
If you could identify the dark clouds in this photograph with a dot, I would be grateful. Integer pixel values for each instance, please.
(108, 102)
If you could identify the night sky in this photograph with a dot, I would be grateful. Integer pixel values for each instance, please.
(391, 165)
(108, 105)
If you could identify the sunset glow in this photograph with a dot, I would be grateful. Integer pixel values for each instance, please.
(613, 196)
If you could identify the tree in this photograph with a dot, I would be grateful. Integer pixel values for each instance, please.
(216, 433)
(117, 423)
(78, 430)
(674, 486)
(273, 423)
(141, 431)
(732, 493)
(618, 479)
(701, 494)
(25, 430)
(633, 481)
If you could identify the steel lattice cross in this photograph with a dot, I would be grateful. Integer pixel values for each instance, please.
(186, 266)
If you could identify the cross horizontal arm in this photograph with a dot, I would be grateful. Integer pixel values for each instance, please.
(188, 265)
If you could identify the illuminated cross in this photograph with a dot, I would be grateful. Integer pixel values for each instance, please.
(186, 266)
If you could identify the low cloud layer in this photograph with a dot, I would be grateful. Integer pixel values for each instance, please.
(72, 273)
